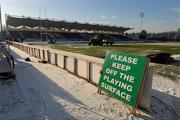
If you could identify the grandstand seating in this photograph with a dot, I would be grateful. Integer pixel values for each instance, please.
(15, 35)
(61, 25)
(29, 35)
(27, 28)
(121, 38)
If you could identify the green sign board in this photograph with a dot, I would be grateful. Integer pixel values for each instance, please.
(122, 76)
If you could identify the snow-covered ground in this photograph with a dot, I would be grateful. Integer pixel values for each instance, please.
(46, 92)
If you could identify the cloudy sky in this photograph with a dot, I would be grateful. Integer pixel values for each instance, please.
(159, 15)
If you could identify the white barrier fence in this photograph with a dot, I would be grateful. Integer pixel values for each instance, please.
(83, 66)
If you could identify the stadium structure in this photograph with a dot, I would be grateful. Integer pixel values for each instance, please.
(173, 36)
(37, 29)
(22, 28)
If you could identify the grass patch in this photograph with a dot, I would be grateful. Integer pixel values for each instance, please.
(170, 71)
(100, 51)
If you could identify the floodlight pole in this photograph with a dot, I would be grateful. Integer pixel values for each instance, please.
(141, 22)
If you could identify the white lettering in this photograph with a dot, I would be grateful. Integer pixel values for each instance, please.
(116, 91)
(127, 77)
(121, 66)
(124, 59)
(111, 72)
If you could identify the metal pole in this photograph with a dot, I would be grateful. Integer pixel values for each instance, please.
(6, 26)
(175, 37)
(0, 20)
(46, 21)
(40, 32)
(141, 22)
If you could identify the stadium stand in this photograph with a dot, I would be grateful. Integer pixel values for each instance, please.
(166, 36)
(61, 25)
(30, 29)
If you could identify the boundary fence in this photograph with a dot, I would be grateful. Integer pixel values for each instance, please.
(82, 66)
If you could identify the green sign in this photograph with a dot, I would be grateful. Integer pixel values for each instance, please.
(122, 76)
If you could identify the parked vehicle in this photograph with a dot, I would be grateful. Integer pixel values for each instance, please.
(98, 40)
(6, 62)
(51, 41)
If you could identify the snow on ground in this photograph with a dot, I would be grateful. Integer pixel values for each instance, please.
(167, 92)
(46, 92)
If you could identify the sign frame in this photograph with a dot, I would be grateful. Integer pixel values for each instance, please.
(141, 85)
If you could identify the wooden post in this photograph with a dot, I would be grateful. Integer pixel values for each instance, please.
(56, 59)
(43, 54)
(64, 62)
(89, 71)
(39, 53)
(48, 55)
(75, 66)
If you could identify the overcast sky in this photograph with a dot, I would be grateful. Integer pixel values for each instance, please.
(159, 15)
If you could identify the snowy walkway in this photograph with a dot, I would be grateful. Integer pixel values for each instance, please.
(51, 93)
(46, 92)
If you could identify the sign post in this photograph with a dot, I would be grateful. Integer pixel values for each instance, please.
(122, 77)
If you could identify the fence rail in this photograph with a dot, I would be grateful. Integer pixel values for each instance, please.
(83, 66)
